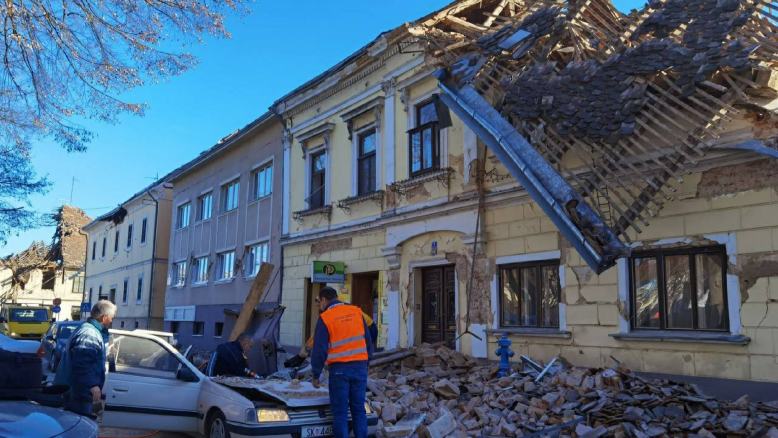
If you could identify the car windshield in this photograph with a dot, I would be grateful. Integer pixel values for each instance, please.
(65, 331)
(29, 315)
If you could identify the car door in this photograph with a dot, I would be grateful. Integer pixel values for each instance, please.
(149, 386)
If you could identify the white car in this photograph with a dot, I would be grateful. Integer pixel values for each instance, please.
(150, 385)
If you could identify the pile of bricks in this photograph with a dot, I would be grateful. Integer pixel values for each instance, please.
(438, 392)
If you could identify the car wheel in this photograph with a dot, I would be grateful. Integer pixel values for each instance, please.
(217, 426)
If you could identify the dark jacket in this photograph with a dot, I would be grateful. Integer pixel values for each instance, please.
(83, 361)
(230, 360)
(321, 342)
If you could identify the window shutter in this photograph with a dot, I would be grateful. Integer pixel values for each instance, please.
(444, 116)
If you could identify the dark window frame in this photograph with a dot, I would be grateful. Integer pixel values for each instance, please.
(139, 291)
(537, 265)
(94, 250)
(116, 242)
(125, 288)
(105, 241)
(370, 182)
(143, 230)
(218, 329)
(195, 326)
(419, 130)
(320, 193)
(129, 235)
(660, 254)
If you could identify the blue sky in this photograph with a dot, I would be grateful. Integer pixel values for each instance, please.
(274, 49)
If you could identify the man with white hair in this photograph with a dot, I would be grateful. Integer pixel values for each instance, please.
(83, 362)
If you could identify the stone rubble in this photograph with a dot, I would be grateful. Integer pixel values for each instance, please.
(438, 392)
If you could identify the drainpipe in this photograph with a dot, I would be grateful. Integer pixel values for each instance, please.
(153, 257)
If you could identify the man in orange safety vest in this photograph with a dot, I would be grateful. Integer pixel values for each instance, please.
(342, 342)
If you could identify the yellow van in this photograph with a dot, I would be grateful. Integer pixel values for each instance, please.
(25, 322)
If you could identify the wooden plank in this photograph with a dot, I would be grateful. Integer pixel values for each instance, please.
(255, 295)
(464, 27)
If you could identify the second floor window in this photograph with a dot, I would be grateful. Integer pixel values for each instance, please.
(226, 265)
(182, 215)
(201, 270)
(129, 236)
(682, 289)
(102, 254)
(94, 250)
(230, 195)
(179, 274)
(258, 254)
(318, 179)
(263, 181)
(139, 291)
(204, 207)
(116, 242)
(529, 295)
(423, 140)
(143, 230)
(366, 163)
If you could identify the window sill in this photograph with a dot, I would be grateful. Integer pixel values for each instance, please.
(261, 198)
(199, 285)
(531, 332)
(442, 176)
(224, 280)
(682, 336)
(302, 214)
(377, 196)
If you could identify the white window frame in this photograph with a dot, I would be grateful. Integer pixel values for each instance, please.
(175, 274)
(196, 269)
(200, 211)
(251, 262)
(220, 265)
(223, 192)
(528, 258)
(256, 170)
(179, 220)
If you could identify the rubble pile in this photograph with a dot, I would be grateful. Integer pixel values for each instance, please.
(438, 392)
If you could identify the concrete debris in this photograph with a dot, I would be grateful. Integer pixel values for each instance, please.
(438, 392)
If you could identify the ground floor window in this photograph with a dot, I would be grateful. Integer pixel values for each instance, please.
(529, 295)
(218, 328)
(679, 289)
(198, 328)
(174, 327)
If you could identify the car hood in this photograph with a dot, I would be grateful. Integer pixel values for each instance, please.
(28, 419)
(18, 346)
(293, 394)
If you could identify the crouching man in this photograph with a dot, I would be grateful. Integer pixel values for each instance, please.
(342, 342)
(83, 361)
(232, 357)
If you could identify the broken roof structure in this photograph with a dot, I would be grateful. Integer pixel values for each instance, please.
(599, 114)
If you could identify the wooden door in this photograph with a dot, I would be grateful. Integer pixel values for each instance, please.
(438, 305)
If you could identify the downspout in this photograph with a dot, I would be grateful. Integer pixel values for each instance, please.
(86, 258)
(153, 257)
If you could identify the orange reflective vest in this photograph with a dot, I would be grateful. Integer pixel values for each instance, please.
(368, 320)
(346, 328)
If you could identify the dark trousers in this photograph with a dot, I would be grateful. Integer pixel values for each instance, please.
(348, 385)
(78, 406)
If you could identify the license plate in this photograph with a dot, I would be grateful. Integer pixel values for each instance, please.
(316, 431)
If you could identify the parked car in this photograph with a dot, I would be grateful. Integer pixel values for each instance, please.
(55, 340)
(28, 419)
(150, 383)
(21, 321)
(27, 410)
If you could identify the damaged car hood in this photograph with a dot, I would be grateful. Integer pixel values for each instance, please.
(293, 394)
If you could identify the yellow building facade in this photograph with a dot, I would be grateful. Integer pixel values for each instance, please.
(381, 177)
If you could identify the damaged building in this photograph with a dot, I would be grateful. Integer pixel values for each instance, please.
(128, 255)
(589, 183)
(42, 273)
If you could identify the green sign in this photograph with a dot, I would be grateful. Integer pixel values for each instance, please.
(328, 272)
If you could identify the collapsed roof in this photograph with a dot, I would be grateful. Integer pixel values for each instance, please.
(598, 114)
